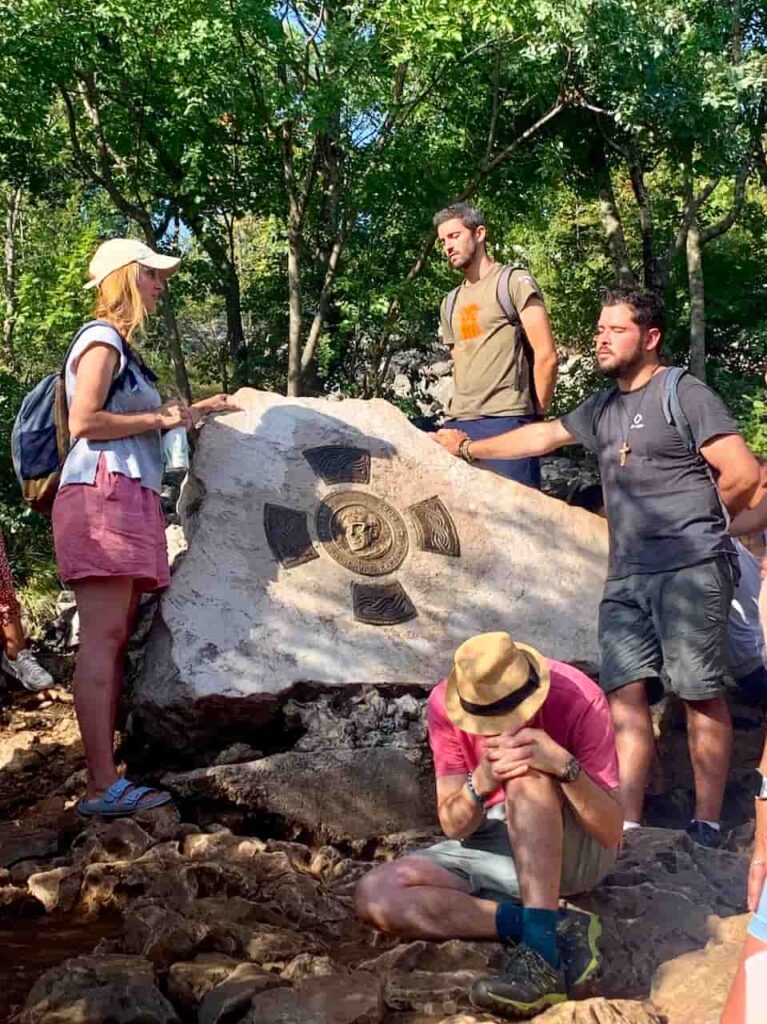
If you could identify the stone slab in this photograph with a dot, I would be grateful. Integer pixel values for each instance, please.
(309, 521)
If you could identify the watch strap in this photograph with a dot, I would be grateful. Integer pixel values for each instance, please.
(572, 770)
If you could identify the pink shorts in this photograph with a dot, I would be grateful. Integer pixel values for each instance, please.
(113, 527)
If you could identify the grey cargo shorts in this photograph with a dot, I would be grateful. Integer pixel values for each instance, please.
(676, 620)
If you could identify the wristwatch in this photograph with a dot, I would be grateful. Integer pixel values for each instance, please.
(757, 784)
(572, 770)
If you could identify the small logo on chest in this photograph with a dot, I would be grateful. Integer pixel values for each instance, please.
(637, 423)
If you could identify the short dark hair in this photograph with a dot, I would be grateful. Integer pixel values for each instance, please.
(467, 214)
(647, 306)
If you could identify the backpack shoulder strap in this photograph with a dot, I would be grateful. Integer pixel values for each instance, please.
(449, 304)
(603, 400)
(503, 295)
(672, 408)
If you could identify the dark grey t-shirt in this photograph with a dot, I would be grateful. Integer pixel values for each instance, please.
(662, 507)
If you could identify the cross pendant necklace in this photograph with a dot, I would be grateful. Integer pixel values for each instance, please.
(625, 449)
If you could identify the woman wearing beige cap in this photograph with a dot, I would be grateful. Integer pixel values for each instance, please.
(107, 521)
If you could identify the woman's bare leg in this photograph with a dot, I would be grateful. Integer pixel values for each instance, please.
(105, 607)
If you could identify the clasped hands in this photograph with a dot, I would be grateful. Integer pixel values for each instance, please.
(508, 755)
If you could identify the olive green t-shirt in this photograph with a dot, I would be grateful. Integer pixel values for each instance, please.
(491, 371)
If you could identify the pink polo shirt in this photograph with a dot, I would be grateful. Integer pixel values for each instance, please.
(575, 714)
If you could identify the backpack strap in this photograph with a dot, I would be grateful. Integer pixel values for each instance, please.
(503, 295)
(673, 412)
(450, 300)
(127, 354)
(675, 416)
(603, 400)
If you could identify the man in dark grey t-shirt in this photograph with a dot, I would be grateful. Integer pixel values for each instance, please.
(669, 580)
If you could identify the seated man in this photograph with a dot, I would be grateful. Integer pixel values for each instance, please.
(527, 792)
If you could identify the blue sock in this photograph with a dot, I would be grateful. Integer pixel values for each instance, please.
(508, 921)
(539, 932)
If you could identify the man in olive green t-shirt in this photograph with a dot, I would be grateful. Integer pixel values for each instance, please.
(500, 382)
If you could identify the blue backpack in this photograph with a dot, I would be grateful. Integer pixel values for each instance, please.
(40, 440)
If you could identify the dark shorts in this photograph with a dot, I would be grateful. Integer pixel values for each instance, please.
(524, 471)
(675, 620)
(753, 687)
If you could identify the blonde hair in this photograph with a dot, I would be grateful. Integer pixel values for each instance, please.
(119, 301)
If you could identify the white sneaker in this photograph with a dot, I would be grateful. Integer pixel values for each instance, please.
(29, 672)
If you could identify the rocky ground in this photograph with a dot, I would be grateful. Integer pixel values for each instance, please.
(174, 916)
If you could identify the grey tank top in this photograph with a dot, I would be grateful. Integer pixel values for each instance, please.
(138, 456)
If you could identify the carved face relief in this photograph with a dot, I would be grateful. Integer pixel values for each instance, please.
(362, 532)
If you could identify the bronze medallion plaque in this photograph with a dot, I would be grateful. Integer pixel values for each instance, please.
(435, 529)
(340, 464)
(362, 532)
(287, 534)
(381, 604)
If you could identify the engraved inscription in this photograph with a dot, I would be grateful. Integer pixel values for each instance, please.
(287, 533)
(362, 532)
(434, 528)
(381, 604)
(340, 464)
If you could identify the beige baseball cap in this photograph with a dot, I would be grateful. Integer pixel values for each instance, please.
(119, 252)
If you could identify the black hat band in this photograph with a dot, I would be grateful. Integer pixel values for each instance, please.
(503, 704)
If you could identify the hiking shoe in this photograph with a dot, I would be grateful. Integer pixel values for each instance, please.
(527, 985)
(704, 835)
(29, 672)
(578, 937)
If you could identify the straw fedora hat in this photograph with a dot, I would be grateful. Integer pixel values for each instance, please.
(495, 684)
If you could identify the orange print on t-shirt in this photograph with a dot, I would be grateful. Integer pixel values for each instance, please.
(468, 322)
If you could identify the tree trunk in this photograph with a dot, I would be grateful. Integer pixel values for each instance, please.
(294, 311)
(697, 303)
(235, 333)
(613, 226)
(12, 212)
(174, 347)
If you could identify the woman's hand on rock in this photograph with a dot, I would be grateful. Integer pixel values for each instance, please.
(217, 403)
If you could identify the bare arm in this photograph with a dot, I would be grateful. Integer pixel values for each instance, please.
(534, 439)
(535, 321)
(89, 419)
(736, 470)
(599, 811)
(459, 813)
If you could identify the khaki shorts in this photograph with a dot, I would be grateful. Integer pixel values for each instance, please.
(485, 859)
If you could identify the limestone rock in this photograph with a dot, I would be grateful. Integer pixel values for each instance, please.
(248, 930)
(429, 992)
(336, 794)
(222, 1003)
(678, 984)
(160, 934)
(16, 903)
(18, 844)
(57, 889)
(189, 982)
(105, 842)
(351, 999)
(488, 554)
(307, 966)
(223, 845)
(93, 990)
(656, 903)
(602, 1011)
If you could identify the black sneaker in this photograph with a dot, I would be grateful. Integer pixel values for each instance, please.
(527, 985)
(704, 835)
(578, 937)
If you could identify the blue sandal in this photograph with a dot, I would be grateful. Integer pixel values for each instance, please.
(122, 799)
